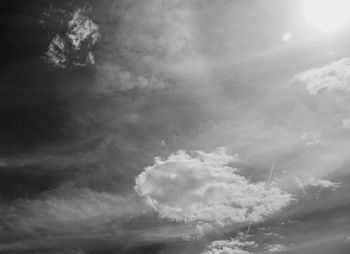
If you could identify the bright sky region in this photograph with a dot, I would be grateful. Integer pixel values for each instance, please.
(172, 126)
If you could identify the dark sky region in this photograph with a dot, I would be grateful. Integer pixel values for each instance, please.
(172, 126)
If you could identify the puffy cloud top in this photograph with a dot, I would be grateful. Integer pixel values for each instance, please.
(334, 76)
(202, 187)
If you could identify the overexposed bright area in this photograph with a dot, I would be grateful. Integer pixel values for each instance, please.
(327, 15)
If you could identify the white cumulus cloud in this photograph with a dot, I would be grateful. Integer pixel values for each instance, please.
(202, 187)
(334, 76)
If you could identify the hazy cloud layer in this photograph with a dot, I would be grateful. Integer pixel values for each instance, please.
(144, 40)
(67, 212)
(173, 80)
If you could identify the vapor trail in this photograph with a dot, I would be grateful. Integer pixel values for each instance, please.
(249, 226)
(274, 162)
(290, 122)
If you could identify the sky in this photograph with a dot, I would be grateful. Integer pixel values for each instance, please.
(173, 126)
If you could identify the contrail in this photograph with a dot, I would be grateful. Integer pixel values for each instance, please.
(290, 121)
(296, 106)
(274, 162)
(250, 224)
(272, 169)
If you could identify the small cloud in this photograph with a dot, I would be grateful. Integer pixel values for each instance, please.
(288, 222)
(334, 76)
(313, 139)
(56, 53)
(346, 123)
(201, 187)
(90, 58)
(287, 37)
(274, 235)
(314, 182)
(274, 248)
(237, 245)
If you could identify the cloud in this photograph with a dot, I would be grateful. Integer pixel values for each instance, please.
(69, 211)
(274, 248)
(56, 53)
(346, 123)
(74, 45)
(82, 29)
(287, 37)
(334, 76)
(313, 139)
(246, 244)
(314, 182)
(202, 188)
(237, 245)
(142, 39)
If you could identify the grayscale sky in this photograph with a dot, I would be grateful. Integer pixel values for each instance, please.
(173, 126)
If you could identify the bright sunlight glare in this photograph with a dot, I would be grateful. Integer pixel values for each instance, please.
(327, 15)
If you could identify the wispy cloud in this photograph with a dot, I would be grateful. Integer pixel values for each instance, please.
(66, 212)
